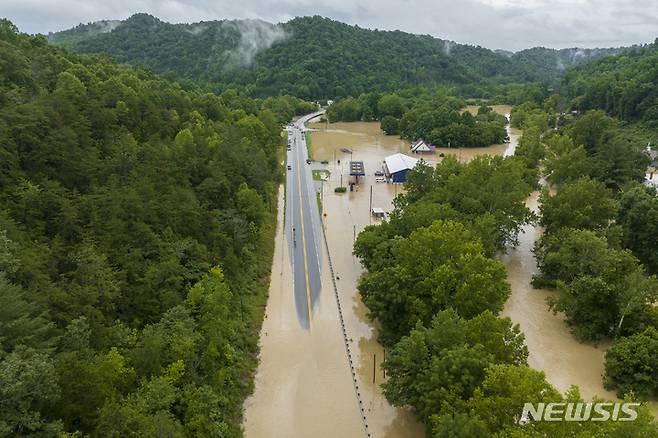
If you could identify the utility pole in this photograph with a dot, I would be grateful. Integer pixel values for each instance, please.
(370, 211)
(374, 361)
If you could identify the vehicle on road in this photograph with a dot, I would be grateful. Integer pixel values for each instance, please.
(379, 173)
(289, 167)
(380, 179)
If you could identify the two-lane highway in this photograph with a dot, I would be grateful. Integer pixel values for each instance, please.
(302, 224)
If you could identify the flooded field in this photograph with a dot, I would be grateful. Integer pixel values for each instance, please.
(303, 385)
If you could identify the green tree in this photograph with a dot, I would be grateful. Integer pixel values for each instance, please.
(505, 389)
(442, 365)
(565, 162)
(391, 105)
(631, 364)
(435, 268)
(639, 218)
(584, 204)
(28, 383)
(592, 130)
(390, 125)
(250, 204)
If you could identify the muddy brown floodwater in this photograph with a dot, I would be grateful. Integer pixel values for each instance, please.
(303, 384)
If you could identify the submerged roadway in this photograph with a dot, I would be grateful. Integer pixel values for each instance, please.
(302, 223)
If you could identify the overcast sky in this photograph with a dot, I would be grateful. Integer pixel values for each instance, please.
(505, 24)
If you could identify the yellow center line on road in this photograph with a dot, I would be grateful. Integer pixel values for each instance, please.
(301, 214)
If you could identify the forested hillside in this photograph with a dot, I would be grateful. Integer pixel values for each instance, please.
(310, 57)
(552, 63)
(625, 86)
(136, 224)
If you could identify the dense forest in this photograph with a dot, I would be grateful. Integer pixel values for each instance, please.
(311, 57)
(553, 63)
(136, 234)
(624, 86)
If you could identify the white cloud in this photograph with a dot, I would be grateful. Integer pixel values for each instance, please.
(508, 24)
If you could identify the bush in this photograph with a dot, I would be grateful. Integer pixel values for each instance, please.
(340, 189)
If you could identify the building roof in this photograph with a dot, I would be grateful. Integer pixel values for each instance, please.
(421, 145)
(398, 162)
(653, 156)
(651, 182)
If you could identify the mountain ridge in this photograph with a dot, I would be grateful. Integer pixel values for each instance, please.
(313, 57)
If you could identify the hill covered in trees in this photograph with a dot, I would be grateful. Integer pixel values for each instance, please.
(553, 63)
(136, 233)
(625, 86)
(310, 57)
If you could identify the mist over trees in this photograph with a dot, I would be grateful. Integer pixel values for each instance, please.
(312, 57)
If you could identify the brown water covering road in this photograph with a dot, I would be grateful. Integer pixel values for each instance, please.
(303, 384)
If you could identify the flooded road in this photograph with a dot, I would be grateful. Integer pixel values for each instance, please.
(303, 385)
